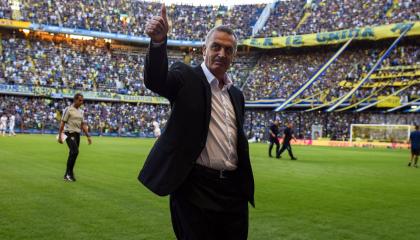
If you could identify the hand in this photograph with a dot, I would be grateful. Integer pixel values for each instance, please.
(157, 27)
(89, 140)
(60, 140)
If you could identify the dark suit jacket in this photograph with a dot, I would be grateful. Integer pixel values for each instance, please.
(175, 152)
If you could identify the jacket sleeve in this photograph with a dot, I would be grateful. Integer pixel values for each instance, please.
(157, 78)
(243, 106)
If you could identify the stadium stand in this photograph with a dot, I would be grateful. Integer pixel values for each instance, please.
(85, 65)
(129, 17)
(59, 62)
(284, 19)
(41, 115)
(278, 75)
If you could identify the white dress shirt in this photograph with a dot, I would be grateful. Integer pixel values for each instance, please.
(220, 150)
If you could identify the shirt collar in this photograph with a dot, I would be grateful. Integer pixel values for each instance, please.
(72, 105)
(211, 78)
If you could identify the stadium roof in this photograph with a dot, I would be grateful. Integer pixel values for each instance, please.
(215, 2)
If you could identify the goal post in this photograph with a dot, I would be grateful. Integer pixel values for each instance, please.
(379, 132)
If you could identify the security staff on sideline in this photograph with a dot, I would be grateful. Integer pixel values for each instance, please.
(274, 132)
(415, 146)
(287, 137)
(72, 124)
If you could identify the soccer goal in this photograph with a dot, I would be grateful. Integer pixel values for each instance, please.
(379, 133)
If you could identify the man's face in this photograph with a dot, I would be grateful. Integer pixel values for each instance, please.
(78, 102)
(219, 52)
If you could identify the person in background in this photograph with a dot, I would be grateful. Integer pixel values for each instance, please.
(287, 137)
(12, 120)
(274, 132)
(72, 123)
(3, 125)
(415, 146)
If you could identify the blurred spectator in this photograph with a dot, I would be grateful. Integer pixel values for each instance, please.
(284, 19)
(332, 15)
(120, 119)
(88, 67)
(192, 22)
(128, 119)
(280, 75)
(5, 10)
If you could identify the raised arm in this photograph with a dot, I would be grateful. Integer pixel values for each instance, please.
(156, 76)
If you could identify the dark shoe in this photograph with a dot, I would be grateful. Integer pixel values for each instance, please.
(270, 156)
(278, 157)
(409, 164)
(69, 178)
(293, 158)
(415, 166)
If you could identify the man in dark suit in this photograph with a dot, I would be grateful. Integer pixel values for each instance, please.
(274, 132)
(415, 146)
(287, 137)
(201, 159)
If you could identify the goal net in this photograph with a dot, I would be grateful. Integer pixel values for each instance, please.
(379, 133)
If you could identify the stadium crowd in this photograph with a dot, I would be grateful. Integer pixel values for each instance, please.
(279, 75)
(128, 119)
(5, 10)
(84, 66)
(328, 15)
(286, 18)
(89, 66)
(122, 119)
(76, 66)
(129, 17)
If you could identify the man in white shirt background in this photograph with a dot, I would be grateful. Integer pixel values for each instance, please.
(3, 124)
(12, 121)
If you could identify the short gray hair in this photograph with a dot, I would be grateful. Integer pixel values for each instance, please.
(225, 29)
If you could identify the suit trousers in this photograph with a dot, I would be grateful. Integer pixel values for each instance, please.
(274, 140)
(286, 145)
(208, 207)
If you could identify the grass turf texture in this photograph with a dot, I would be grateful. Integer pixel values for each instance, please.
(329, 193)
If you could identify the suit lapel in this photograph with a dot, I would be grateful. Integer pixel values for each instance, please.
(200, 74)
(236, 106)
(207, 91)
(233, 93)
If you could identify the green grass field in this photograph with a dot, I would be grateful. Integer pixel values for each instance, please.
(329, 193)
